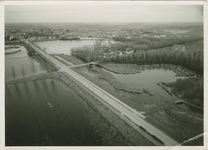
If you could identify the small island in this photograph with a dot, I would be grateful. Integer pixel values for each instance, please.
(11, 49)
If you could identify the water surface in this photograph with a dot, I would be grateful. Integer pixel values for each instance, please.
(64, 47)
(148, 79)
(46, 112)
(18, 61)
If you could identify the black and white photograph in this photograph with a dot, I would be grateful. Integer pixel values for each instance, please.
(108, 73)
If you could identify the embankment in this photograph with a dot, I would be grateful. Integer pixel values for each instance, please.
(133, 68)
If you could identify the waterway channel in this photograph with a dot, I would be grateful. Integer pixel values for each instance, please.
(46, 112)
(19, 65)
(64, 47)
(148, 79)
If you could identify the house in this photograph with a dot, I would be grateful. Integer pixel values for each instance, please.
(118, 53)
(128, 51)
(177, 47)
(31, 37)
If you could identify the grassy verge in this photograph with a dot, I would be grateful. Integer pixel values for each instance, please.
(70, 58)
(178, 124)
(63, 62)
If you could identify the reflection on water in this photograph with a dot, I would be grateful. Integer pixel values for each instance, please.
(46, 113)
(23, 65)
(63, 47)
(148, 79)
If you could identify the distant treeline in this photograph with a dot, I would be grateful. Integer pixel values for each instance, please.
(90, 53)
(149, 43)
(189, 59)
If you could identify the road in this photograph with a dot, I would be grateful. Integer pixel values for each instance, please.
(81, 65)
(130, 113)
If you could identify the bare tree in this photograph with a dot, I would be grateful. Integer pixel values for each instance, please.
(41, 68)
(23, 71)
(13, 72)
(33, 67)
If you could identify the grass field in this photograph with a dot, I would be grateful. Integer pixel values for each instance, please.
(178, 124)
(194, 46)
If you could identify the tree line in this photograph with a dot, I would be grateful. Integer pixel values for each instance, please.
(189, 59)
(190, 88)
(148, 43)
(89, 53)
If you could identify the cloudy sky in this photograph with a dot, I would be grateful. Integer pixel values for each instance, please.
(111, 12)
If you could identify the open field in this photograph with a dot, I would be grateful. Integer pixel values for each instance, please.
(178, 124)
(195, 46)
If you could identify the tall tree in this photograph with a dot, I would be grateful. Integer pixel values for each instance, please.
(23, 71)
(33, 67)
(13, 72)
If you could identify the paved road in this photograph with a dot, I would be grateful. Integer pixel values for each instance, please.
(81, 65)
(126, 111)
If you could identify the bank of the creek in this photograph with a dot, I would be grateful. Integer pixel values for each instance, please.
(133, 68)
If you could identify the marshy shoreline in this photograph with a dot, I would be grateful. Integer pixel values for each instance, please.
(133, 68)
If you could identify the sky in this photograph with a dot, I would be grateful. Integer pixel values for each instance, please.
(112, 12)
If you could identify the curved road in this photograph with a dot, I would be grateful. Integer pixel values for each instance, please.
(126, 111)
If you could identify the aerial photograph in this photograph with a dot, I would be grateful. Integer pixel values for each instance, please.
(104, 74)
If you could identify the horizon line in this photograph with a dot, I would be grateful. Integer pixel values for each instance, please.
(111, 22)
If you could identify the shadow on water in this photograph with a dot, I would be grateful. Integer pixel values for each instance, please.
(45, 115)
